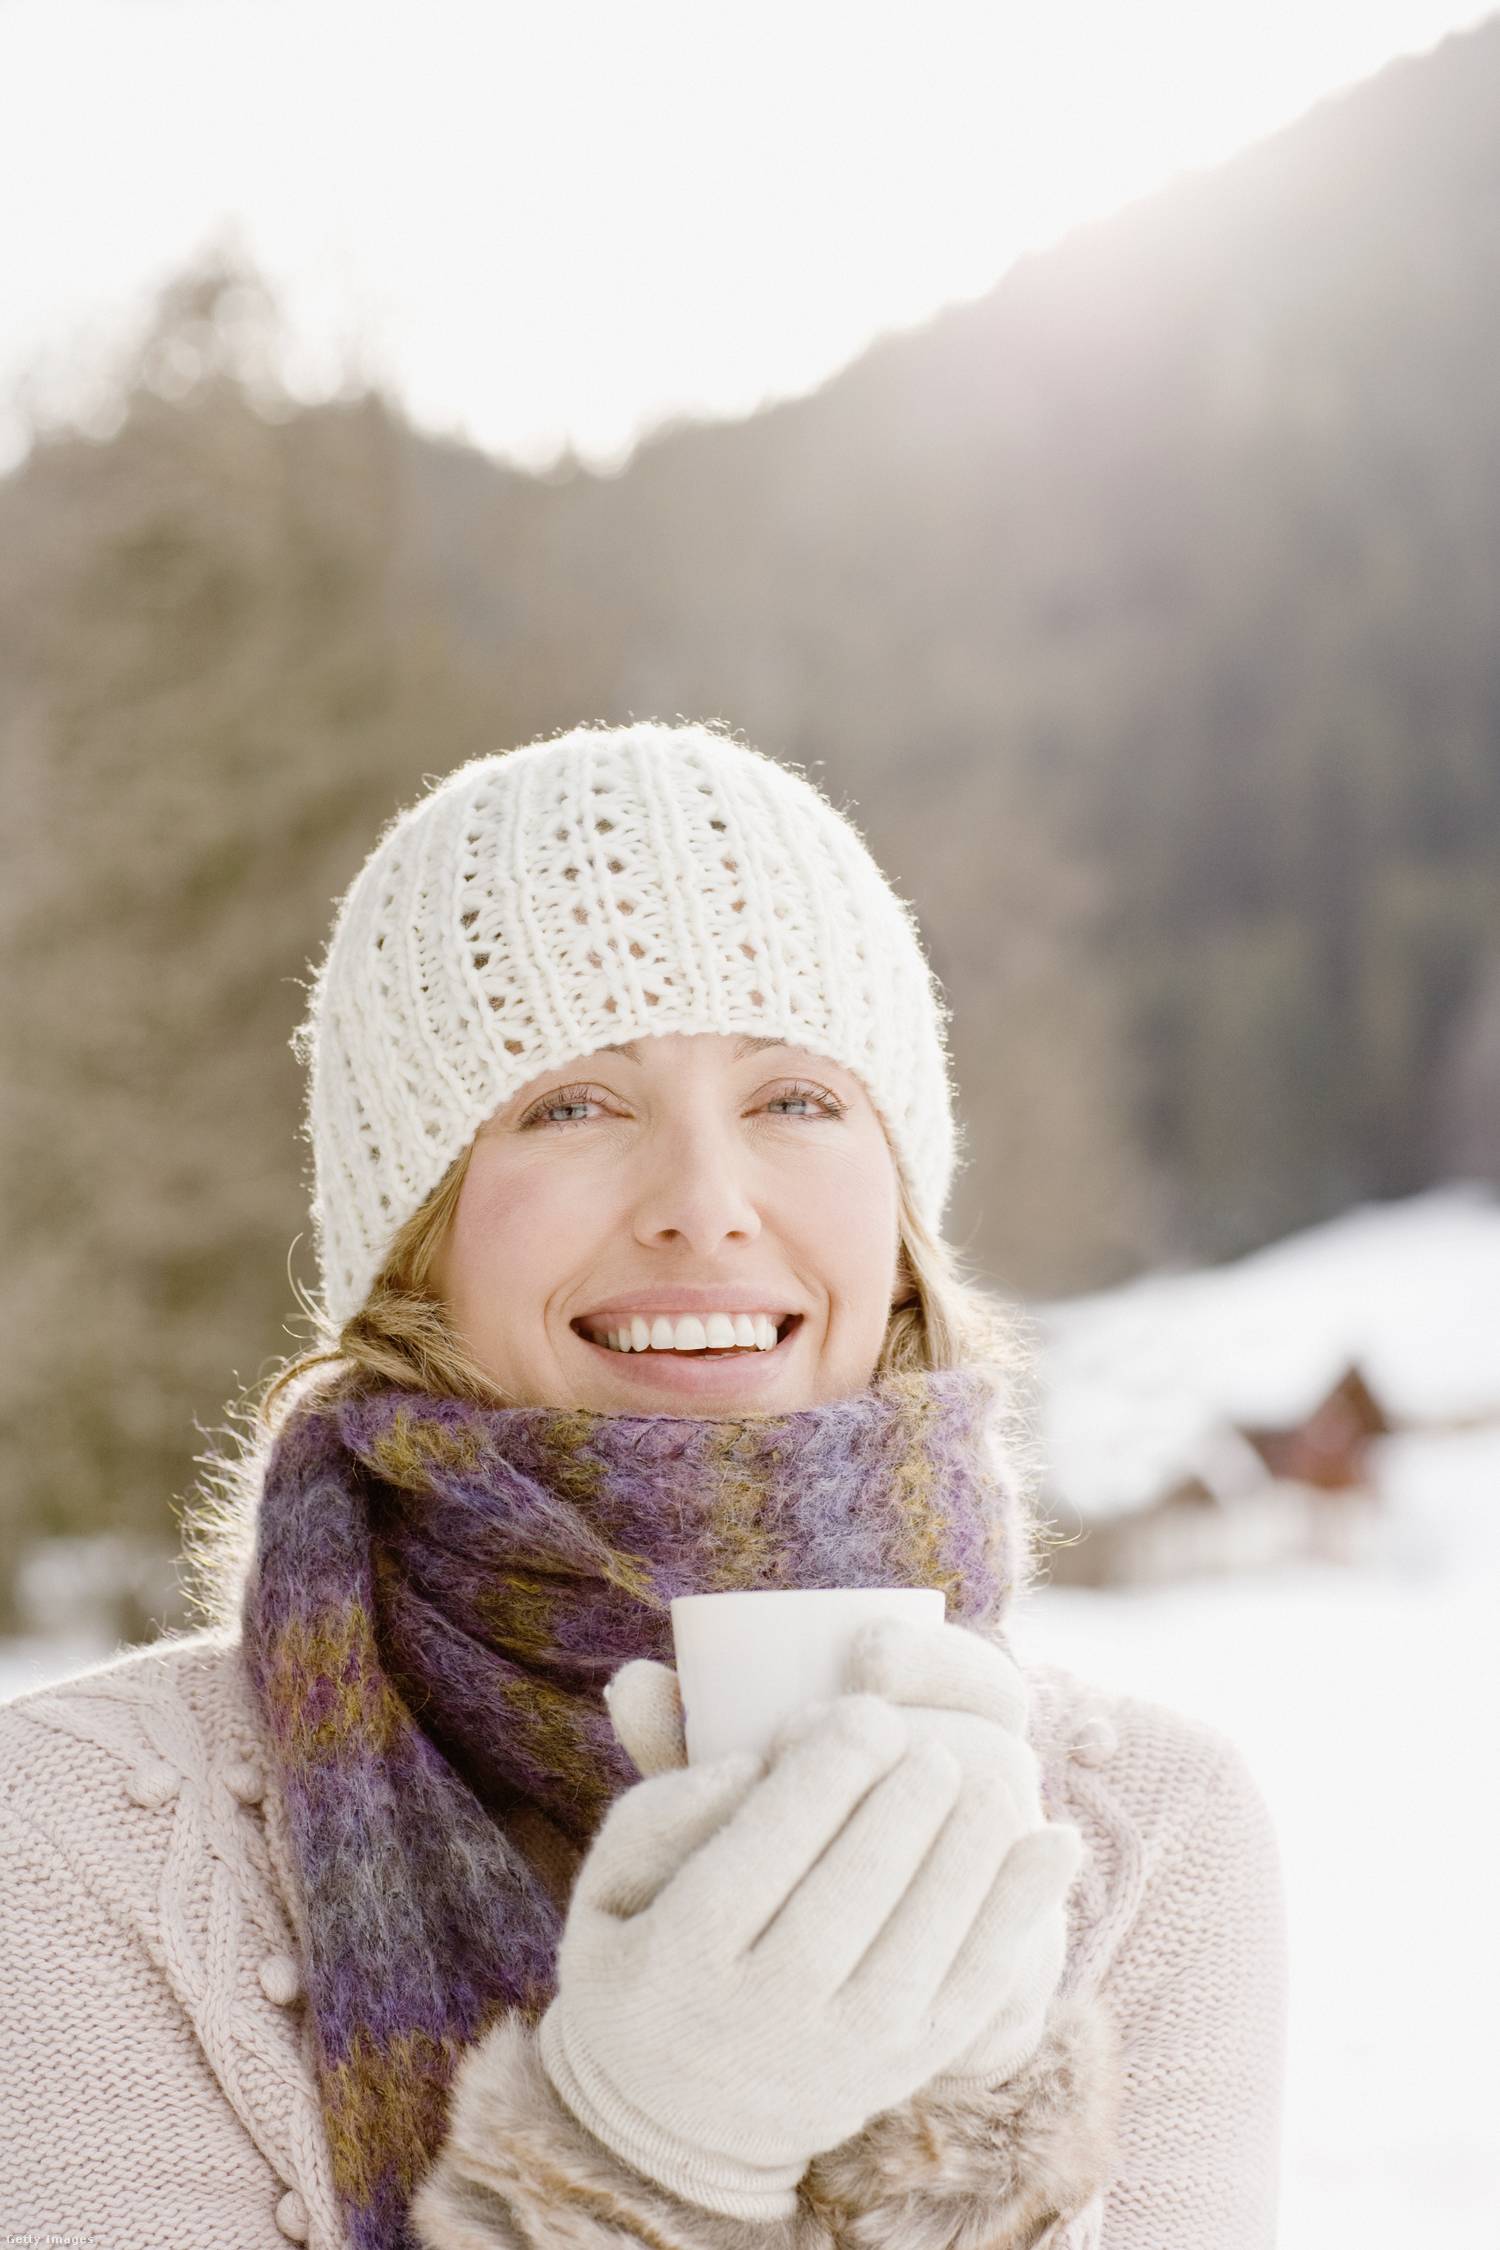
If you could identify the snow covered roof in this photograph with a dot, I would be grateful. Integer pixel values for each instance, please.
(1141, 1384)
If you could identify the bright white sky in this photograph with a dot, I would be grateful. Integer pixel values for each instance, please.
(559, 223)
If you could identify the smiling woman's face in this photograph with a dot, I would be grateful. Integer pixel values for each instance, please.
(684, 1174)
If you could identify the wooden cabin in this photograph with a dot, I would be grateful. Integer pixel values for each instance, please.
(1249, 1497)
(1330, 1447)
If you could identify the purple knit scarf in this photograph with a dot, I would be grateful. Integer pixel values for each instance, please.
(440, 1594)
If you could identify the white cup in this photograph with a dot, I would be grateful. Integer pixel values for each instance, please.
(746, 1662)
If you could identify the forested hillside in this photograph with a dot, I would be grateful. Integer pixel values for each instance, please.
(1143, 613)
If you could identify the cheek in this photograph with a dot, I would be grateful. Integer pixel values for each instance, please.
(509, 1224)
(850, 1209)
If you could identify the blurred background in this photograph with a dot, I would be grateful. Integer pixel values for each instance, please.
(1074, 437)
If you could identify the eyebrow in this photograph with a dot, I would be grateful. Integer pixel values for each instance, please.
(630, 1048)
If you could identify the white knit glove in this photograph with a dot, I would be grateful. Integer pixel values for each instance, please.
(759, 1956)
(956, 1687)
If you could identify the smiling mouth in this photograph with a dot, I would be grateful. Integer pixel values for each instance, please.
(784, 1331)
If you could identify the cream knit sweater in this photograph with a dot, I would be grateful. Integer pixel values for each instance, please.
(156, 2092)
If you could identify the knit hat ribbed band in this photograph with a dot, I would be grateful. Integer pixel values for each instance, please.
(612, 883)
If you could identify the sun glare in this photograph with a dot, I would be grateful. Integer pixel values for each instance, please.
(557, 225)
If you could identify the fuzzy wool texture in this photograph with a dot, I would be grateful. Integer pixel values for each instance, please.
(982, 2170)
(612, 883)
(440, 1594)
(518, 2169)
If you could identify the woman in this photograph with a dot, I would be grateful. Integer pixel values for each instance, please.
(385, 1909)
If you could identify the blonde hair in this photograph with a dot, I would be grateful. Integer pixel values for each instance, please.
(403, 1335)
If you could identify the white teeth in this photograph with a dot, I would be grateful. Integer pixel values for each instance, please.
(720, 1332)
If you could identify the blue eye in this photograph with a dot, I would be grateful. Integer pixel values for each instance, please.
(570, 1097)
(827, 1105)
(581, 1097)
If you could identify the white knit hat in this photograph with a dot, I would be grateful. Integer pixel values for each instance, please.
(608, 884)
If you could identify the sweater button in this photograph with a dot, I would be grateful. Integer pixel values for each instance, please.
(1095, 1741)
(153, 1783)
(279, 1979)
(291, 2216)
(247, 1782)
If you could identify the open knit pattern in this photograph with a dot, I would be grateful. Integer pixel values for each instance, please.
(610, 884)
(441, 1592)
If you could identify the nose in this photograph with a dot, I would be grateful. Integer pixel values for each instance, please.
(695, 1188)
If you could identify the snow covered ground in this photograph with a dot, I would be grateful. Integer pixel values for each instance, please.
(1364, 1698)
(1365, 1702)
(34, 1662)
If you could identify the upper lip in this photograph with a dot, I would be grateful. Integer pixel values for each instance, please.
(686, 1300)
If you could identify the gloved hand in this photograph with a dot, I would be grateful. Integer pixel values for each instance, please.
(761, 1955)
(956, 1687)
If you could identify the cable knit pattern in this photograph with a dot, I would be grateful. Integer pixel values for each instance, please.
(153, 2089)
(156, 2085)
